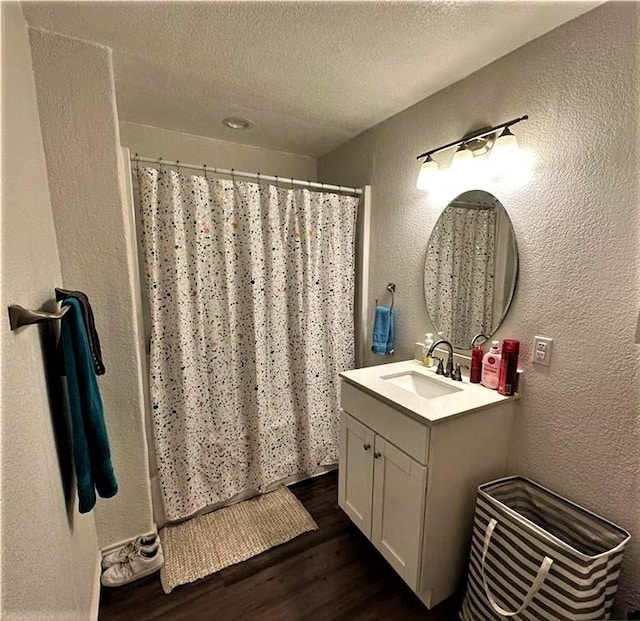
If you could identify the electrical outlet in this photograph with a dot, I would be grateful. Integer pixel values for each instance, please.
(542, 350)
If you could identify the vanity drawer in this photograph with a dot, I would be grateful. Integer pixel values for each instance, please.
(406, 433)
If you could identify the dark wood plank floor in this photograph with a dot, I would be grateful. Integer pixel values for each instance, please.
(333, 574)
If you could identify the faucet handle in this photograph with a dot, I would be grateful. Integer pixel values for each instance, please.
(478, 336)
(457, 374)
(440, 369)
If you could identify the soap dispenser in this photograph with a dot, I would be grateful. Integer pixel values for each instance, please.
(491, 366)
(427, 361)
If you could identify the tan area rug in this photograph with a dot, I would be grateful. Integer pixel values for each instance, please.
(208, 543)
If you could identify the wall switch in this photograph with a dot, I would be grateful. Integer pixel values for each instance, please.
(542, 350)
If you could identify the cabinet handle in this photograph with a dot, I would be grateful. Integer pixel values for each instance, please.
(376, 455)
(366, 447)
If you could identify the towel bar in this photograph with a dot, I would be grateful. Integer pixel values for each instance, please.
(20, 316)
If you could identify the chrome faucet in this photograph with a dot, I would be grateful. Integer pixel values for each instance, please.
(449, 367)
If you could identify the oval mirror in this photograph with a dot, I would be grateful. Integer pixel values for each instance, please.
(471, 268)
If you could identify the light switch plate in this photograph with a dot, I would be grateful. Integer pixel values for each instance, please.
(542, 347)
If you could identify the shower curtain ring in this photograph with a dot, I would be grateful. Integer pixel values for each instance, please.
(258, 178)
(178, 165)
(137, 159)
(292, 183)
(233, 176)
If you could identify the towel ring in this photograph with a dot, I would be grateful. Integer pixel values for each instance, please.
(391, 288)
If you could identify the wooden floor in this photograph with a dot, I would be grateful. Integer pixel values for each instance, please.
(332, 574)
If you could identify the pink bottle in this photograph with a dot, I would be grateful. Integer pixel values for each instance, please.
(491, 366)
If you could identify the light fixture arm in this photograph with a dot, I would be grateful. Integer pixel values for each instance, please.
(474, 135)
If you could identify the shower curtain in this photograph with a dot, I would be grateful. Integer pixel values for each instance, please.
(251, 290)
(464, 246)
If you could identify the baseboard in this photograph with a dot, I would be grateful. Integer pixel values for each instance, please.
(95, 598)
(297, 478)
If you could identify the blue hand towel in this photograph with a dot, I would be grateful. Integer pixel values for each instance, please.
(91, 453)
(382, 344)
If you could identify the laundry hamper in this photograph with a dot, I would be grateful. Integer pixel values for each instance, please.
(536, 556)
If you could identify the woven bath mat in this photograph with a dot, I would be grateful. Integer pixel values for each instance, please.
(208, 543)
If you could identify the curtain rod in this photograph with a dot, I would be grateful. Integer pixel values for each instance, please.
(247, 175)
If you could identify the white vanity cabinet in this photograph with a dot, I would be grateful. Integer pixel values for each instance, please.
(382, 490)
(408, 480)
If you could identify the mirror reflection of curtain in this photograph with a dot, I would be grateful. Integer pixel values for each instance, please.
(460, 279)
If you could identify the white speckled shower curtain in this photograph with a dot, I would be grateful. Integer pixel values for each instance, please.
(251, 292)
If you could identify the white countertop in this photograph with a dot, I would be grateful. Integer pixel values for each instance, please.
(471, 397)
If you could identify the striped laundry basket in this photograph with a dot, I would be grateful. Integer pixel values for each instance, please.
(536, 556)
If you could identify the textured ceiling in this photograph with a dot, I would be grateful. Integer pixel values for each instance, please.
(311, 75)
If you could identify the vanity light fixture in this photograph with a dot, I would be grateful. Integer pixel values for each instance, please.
(501, 145)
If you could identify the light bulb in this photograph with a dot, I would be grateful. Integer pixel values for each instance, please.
(510, 166)
(504, 150)
(428, 175)
(462, 160)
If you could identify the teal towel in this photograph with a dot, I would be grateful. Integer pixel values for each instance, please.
(91, 454)
(383, 332)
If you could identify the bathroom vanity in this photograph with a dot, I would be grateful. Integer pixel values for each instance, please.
(414, 446)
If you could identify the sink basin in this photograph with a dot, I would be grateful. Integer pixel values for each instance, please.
(421, 385)
(419, 392)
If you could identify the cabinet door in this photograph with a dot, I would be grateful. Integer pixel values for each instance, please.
(355, 481)
(399, 492)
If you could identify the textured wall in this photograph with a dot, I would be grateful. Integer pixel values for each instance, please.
(577, 228)
(173, 145)
(49, 551)
(76, 100)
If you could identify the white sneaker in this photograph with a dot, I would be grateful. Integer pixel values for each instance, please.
(137, 565)
(148, 544)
